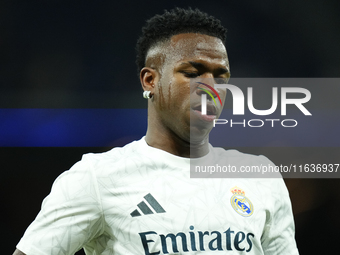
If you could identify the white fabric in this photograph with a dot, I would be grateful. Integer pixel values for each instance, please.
(90, 206)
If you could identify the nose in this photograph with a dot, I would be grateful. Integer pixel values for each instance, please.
(206, 85)
(205, 88)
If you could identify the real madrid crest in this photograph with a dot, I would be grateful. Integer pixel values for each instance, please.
(241, 203)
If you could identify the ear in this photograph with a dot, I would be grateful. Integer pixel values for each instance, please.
(149, 77)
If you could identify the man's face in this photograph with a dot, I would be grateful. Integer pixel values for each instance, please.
(190, 58)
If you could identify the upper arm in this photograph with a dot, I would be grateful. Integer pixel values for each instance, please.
(279, 232)
(70, 216)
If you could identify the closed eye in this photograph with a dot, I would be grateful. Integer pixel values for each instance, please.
(190, 74)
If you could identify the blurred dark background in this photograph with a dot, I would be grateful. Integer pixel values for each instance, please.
(80, 55)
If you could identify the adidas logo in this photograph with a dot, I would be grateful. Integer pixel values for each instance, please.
(145, 209)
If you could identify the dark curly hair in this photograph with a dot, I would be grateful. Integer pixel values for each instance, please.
(173, 22)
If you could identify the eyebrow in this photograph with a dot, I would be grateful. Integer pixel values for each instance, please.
(199, 65)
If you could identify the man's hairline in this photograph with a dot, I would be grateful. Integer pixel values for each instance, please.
(165, 43)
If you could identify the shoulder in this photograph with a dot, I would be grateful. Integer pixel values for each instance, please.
(235, 154)
(114, 160)
(244, 165)
(114, 155)
(83, 176)
(236, 157)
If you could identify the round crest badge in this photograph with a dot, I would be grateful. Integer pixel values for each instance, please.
(240, 203)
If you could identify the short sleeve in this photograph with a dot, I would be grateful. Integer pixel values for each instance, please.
(279, 233)
(70, 216)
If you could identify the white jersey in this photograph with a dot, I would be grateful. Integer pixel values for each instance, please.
(141, 200)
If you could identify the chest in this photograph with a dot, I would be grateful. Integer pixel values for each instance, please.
(163, 210)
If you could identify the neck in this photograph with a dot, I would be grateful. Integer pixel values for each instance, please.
(168, 141)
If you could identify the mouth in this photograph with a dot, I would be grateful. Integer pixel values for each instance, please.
(211, 112)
